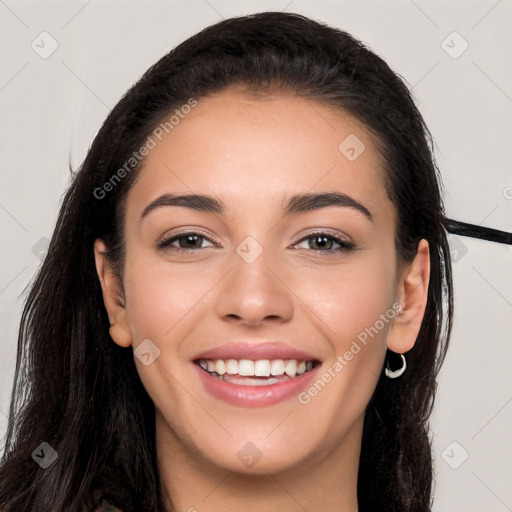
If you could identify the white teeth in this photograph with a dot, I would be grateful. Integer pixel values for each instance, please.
(232, 366)
(277, 367)
(220, 366)
(291, 368)
(259, 368)
(246, 367)
(251, 381)
(262, 368)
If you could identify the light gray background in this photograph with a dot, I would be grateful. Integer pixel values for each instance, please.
(51, 107)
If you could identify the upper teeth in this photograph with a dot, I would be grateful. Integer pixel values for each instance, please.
(259, 368)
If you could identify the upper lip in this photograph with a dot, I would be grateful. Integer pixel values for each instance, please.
(255, 351)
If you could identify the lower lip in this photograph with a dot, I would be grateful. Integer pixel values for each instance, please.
(254, 396)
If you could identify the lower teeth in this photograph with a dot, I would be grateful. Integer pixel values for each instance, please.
(251, 381)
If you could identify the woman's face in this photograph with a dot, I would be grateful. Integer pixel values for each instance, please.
(265, 279)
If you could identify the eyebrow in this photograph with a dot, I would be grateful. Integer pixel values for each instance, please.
(298, 203)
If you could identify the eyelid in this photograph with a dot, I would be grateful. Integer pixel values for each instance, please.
(187, 231)
(323, 231)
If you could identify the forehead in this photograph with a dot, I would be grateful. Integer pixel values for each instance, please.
(256, 150)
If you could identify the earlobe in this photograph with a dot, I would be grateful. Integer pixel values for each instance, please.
(412, 294)
(120, 335)
(113, 297)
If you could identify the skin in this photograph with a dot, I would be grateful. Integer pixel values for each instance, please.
(253, 153)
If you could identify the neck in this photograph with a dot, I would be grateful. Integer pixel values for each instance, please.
(326, 482)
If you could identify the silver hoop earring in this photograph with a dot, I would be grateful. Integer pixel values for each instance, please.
(396, 373)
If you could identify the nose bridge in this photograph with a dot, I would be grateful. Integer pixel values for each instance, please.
(254, 290)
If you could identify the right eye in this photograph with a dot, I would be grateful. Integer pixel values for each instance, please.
(188, 242)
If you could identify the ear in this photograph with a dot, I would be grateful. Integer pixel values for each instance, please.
(412, 293)
(113, 297)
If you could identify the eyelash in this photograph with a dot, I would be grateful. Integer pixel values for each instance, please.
(344, 245)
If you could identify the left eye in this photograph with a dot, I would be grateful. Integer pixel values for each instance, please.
(323, 242)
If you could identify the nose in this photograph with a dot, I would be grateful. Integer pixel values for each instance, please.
(255, 292)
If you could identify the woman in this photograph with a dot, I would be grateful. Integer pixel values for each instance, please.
(248, 294)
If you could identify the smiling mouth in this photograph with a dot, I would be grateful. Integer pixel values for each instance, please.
(261, 372)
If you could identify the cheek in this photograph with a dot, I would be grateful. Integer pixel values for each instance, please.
(352, 301)
(165, 305)
(349, 298)
(162, 299)
(355, 305)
